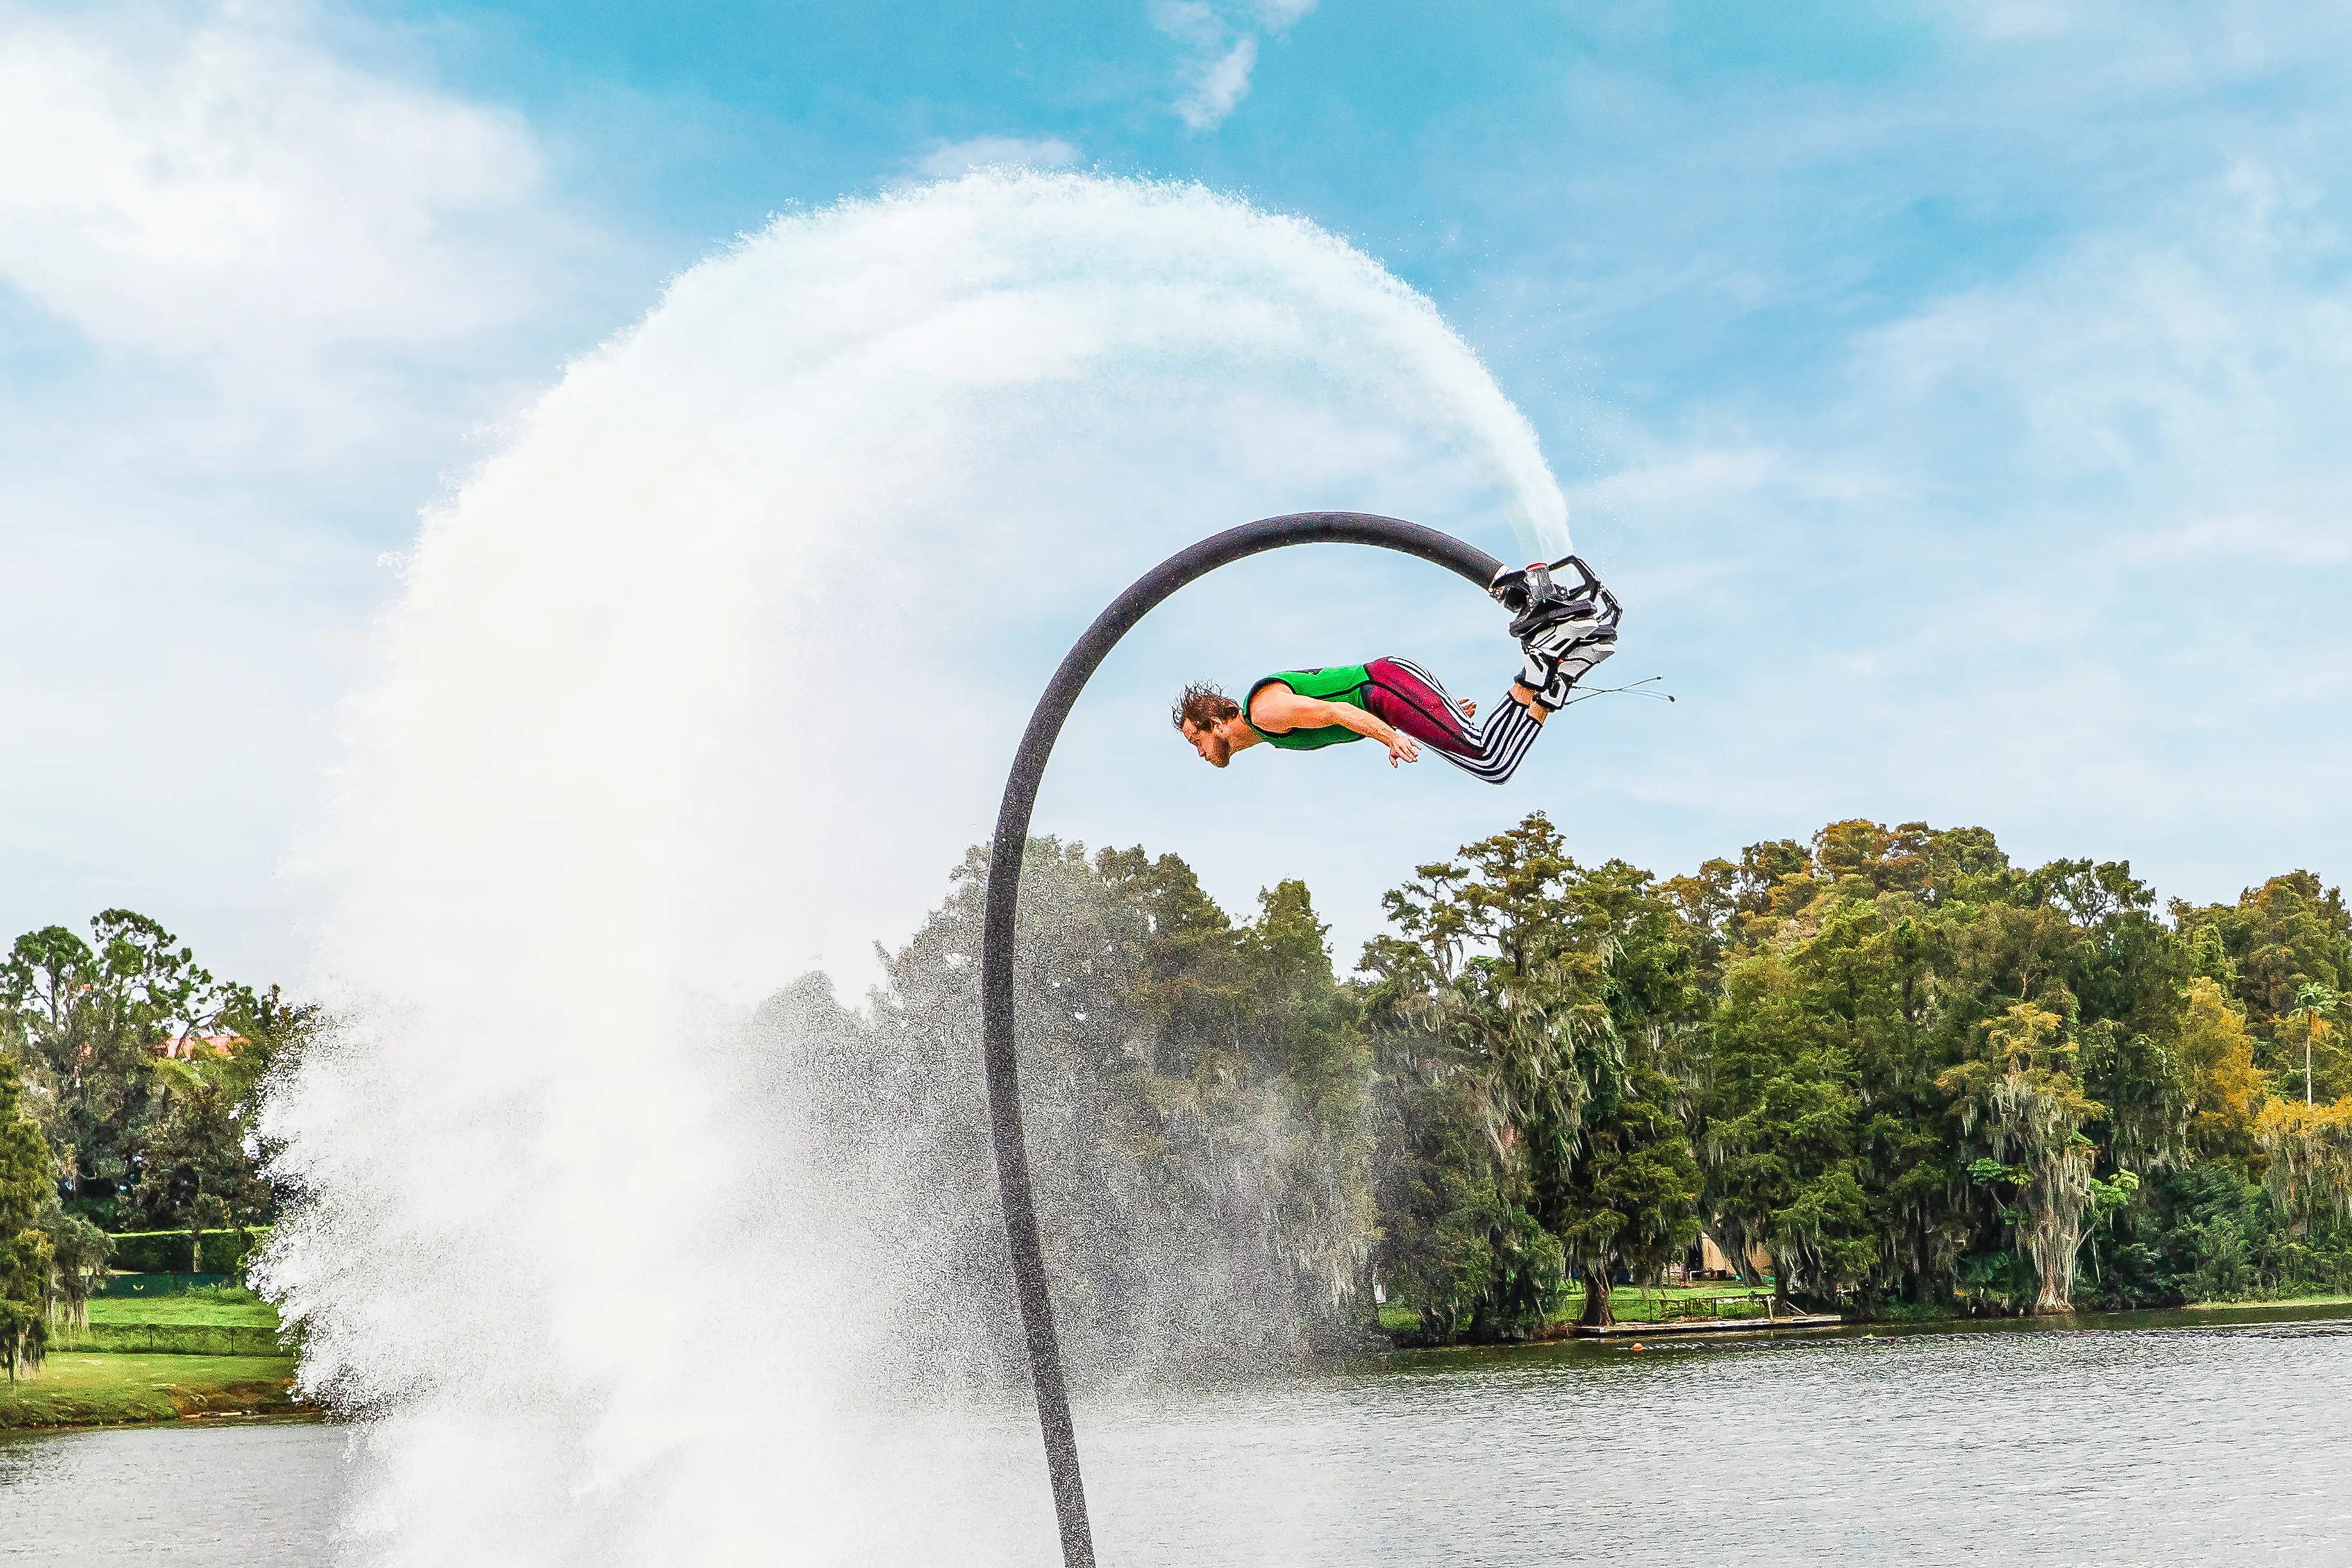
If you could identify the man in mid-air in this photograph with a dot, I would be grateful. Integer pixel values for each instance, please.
(1563, 633)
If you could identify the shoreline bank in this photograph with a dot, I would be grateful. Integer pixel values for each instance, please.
(2195, 1315)
(77, 1389)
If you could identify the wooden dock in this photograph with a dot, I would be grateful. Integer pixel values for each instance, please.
(1680, 1328)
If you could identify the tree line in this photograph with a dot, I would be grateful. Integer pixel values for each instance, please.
(1906, 1075)
(1198, 1127)
(130, 1079)
(1914, 1076)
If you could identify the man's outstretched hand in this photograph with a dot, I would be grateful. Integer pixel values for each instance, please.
(1402, 748)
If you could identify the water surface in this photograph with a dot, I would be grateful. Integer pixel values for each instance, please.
(2224, 1444)
(197, 1493)
(2139, 1446)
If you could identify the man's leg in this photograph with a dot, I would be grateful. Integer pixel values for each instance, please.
(1410, 698)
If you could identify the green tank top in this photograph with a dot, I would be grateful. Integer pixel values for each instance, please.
(1341, 683)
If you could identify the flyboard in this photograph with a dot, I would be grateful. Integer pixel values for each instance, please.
(1529, 595)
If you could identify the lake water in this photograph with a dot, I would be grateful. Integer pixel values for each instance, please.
(2144, 1444)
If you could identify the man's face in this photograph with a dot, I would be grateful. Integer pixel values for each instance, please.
(1214, 749)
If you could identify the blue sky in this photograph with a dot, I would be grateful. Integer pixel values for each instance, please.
(1958, 392)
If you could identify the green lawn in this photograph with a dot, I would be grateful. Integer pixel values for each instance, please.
(158, 1358)
(2269, 1301)
(1631, 1304)
(226, 1321)
(80, 1390)
(213, 1308)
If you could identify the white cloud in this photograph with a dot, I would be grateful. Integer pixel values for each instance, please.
(2021, 19)
(273, 284)
(951, 160)
(2247, 536)
(1220, 86)
(1221, 51)
(1277, 14)
(2186, 370)
(2060, 548)
(214, 181)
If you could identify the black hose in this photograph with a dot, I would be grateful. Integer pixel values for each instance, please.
(1005, 902)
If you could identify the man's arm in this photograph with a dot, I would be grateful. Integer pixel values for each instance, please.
(1277, 709)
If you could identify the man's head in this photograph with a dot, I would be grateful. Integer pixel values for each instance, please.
(1208, 717)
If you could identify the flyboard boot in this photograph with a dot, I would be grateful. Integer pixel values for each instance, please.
(1564, 629)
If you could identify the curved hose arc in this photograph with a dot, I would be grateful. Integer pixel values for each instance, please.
(1003, 905)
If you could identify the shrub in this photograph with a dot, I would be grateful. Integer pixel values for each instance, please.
(166, 1251)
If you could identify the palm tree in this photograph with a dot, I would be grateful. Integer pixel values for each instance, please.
(2313, 1002)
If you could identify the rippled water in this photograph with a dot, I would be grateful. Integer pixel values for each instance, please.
(2146, 1446)
(2046, 1449)
(203, 1493)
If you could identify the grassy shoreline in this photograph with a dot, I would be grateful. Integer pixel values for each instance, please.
(1631, 1304)
(210, 1352)
(107, 1389)
(94, 1383)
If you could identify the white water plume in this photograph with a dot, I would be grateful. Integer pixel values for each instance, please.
(715, 665)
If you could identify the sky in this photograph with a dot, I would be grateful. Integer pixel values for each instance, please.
(1957, 394)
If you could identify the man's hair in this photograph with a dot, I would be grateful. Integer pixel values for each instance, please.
(1204, 705)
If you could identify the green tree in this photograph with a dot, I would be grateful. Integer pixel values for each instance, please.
(1878, 959)
(200, 1159)
(1862, 1006)
(2126, 976)
(2310, 1148)
(1782, 1144)
(80, 1253)
(1630, 1199)
(85, 1020)
(1492, 1007)
(26, 1174)
(194, 1173)
(2311, 1020)
(1549, 997)
(1194, 1091)
(2022, 1098)
(1455, 1248)
(2225, 1088)
(2291, 931)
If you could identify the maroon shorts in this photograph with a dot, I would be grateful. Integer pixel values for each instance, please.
(1409, 698)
